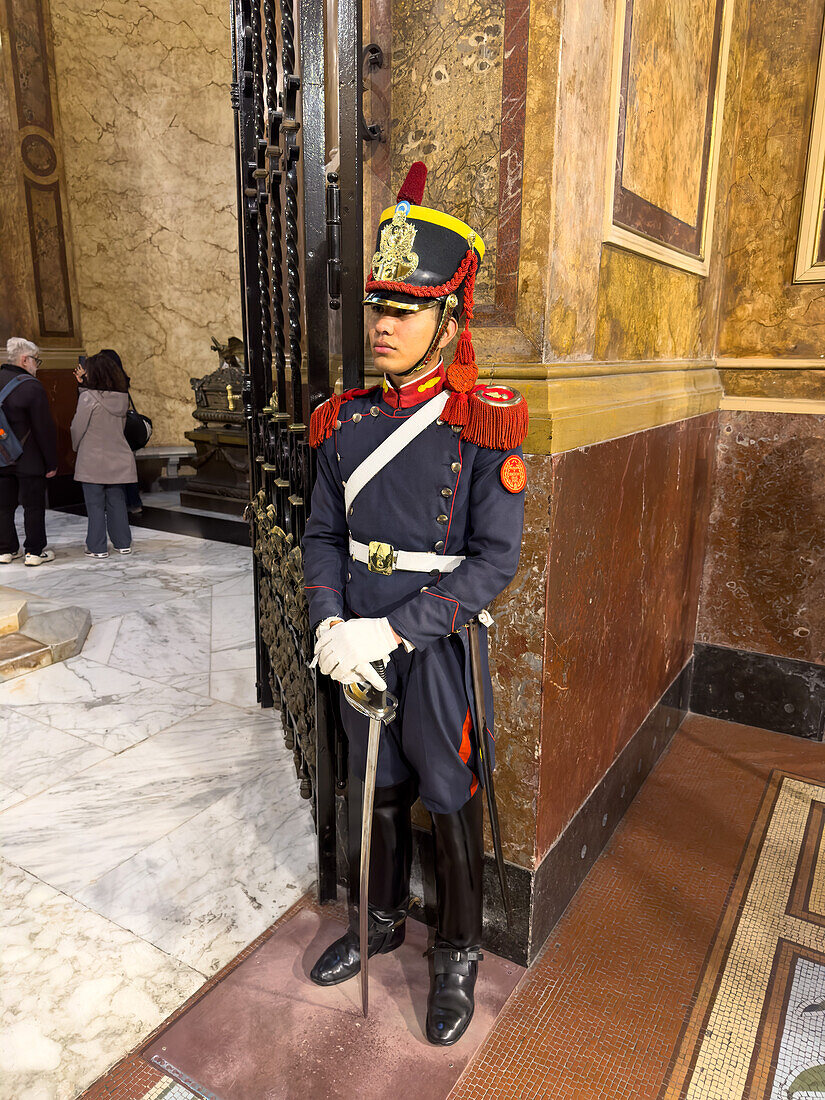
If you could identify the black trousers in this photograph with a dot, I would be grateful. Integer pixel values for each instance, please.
(30, 494)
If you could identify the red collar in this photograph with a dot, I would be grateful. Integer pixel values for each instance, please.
(415, 392)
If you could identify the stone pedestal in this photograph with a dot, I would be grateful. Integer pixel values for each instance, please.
(221, 483)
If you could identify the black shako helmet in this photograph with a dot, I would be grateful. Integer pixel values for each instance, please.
(425, 258)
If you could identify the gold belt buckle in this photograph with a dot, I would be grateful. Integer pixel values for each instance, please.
(381, 558)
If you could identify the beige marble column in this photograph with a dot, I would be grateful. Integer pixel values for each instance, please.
(144, 92)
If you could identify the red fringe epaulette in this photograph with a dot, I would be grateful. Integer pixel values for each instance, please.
(500, 427)
(322, 421)
(491, 416)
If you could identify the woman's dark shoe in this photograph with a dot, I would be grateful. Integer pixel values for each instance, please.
(451, 1003)
(342, 959)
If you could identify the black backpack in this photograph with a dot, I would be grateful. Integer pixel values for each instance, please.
(11, 447)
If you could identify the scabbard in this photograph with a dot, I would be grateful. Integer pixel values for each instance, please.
(480, 726)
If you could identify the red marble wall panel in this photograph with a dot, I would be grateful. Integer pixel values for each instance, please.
(627, 536)
(764, 580)
(61, 387)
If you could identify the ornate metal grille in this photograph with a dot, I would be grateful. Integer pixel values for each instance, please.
(280, 152)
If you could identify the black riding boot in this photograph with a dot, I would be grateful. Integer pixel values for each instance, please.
(458, 875)
(390, 863)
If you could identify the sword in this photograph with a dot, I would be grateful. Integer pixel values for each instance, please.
(379, 707)
(486, 770)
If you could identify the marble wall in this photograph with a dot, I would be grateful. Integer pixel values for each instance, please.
(517, 644)
(628, 520)
(763, 313)
(144, 97)
(764, 577)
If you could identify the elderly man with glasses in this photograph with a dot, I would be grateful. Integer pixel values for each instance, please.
(29, 415)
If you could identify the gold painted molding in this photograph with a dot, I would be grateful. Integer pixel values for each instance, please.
(579, 404)
(60, 358)
(766, 363)
(773, 404)
(586, 408)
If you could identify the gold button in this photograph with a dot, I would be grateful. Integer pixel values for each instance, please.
(455, 467)
(424, 589)
(457, 427)
(351, 509)
(441, 519)
(446, 492)
(439, 546)
(374, 410)
(439, 423)
(337, 425)
(356, 417)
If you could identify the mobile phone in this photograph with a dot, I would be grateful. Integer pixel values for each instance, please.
(81, 361)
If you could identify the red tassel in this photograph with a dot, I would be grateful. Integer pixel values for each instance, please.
(457, 410)
(462, 373)
(412, 189)
(322, 421)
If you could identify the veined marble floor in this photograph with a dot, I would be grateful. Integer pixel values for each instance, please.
(150, 822)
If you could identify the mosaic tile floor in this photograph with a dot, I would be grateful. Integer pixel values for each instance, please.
(691, 964)
(150, 825)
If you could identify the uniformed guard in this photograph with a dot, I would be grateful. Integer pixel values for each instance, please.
(415, 526)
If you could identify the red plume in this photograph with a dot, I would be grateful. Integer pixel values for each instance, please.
(412, 189)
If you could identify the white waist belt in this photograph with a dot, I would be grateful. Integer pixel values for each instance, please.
(383, 558)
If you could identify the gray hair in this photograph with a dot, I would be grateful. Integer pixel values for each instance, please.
(17, 347)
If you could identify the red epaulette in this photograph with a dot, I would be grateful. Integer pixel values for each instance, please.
(322, 420)
(493, 416)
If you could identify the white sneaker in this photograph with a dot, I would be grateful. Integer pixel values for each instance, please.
(125, 550)
(7, 559)
(39, 559)
(89, 554)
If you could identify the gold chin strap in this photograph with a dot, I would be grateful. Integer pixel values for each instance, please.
(450, 302)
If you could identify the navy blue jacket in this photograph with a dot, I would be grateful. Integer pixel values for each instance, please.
(441, 489)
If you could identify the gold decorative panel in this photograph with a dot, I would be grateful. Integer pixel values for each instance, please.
(669, 70)
(810, 254)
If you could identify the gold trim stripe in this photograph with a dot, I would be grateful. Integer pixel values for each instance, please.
(766, 363)
(773, 404)
(436, 217)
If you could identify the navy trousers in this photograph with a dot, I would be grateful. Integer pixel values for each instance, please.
(30, 494)
(432, 736)
(106, 510)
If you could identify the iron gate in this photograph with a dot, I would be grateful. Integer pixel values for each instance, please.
(296, 93)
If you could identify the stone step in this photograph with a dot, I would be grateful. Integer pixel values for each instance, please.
(63, 630)
(19, 654)
(13, 611)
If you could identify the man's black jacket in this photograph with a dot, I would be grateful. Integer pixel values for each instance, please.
(30, 418)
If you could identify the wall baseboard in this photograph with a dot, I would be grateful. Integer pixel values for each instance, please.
(757, 689)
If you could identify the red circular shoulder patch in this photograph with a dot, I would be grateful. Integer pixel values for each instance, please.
(513, 474)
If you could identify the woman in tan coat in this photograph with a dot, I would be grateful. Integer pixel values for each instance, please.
(105, 463)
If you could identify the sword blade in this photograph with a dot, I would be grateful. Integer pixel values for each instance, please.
(366, 837)
(486, 770)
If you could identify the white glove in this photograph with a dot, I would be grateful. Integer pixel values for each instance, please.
(345, 651)
(325, 624)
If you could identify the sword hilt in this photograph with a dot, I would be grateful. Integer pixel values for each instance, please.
(369, 701)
